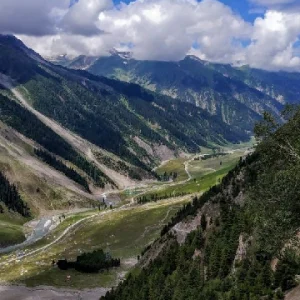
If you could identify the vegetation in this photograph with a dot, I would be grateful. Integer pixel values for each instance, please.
(167, 177)
(156, 197)
(228, 93)
(126, 112)
(29, 125)
(121, 166)
(231, 255)
(175, 166)
(60, 166)
(90, 262)
(199, 184)
(11, 231)
(117, 116)
(11, 198)
(123, 233)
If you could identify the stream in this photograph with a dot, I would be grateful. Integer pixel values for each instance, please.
(41, 228)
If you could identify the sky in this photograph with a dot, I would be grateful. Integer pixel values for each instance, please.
(260, 33)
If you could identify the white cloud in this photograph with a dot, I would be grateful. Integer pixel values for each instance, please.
(167, 29)
(31, 17)
(164, 30)
(82, 16)
(272, 41)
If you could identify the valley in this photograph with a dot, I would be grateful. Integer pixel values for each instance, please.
(132, 179)
(124, 231)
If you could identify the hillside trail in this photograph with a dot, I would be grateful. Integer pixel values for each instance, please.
(169, 184)
(18, 292)
(186, 168)
(68, 229)
(160, 223)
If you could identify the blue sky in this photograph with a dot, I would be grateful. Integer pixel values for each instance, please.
(243, 8)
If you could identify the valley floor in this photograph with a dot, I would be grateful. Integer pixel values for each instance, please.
(48, 292)
(123, 231)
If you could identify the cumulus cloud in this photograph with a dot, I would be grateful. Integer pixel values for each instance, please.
(152, 29)
(164, 30)
(82, 16)
(167, 29)
(31, 17)
(272, 41)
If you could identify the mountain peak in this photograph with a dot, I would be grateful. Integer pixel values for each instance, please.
(14, 42)
(194, 57)
(122, 54)
(11, 40)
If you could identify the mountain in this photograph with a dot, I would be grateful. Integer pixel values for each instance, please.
(281, 86)
(81, 62)
(239, 240)
(111, 114)
(236, 95)
(86, 134)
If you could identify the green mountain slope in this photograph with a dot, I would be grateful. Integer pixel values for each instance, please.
(282, 86)
(237, 95)
(239, 240)
(121, 118)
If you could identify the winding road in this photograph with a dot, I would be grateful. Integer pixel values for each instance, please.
(65, 232)
(45, 225)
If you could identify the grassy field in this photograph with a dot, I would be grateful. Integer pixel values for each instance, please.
(125, 233)
(176, 165)
(200, 168)
(10, 234)
(11, 229)
(60, 228)
(204, 173)
(196, 185)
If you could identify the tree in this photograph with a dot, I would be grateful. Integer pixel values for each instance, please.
(203, 222)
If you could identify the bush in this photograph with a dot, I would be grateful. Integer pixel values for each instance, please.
(90, 262)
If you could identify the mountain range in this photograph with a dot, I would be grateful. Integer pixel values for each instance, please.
(71, 130)
(112, 119)
(238, 95)
(97, 133)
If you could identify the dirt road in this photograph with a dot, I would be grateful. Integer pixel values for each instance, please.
(49, 293)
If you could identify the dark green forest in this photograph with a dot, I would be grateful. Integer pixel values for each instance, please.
(60, 166)
(14, 115)
(91, 262)
(10, 196)
(222, 90)
(109, 118)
